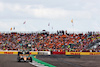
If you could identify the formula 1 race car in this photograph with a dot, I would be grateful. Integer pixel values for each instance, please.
(24, 56)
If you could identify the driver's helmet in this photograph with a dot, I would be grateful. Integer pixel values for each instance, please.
(23, 51)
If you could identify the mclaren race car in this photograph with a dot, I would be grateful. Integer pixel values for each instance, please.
(24, 56)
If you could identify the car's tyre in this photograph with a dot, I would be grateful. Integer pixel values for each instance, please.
(18, 59)
(30, 59)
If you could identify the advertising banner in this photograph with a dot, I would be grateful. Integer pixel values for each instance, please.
(82, 53)
(44, 53)
(33, 52)
(61, 53)
(16, 52)
(8, 52)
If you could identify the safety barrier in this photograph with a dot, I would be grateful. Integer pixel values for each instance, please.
(54, 53)
(31, 52)
(8, 52)
(44, 53)
(82, 53)
(58, 53)
(16, 52)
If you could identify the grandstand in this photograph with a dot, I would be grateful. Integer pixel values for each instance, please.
(60, 41)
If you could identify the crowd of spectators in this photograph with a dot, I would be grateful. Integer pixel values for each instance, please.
(60, 41)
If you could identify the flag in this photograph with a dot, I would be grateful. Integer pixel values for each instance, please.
(24, 22)
(72, 20)
(11, 28)
(14, 28)
(52, 27)
(48, 24)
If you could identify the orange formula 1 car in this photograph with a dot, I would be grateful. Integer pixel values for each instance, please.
(24, 56)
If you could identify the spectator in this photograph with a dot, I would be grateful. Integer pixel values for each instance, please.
(45, 41)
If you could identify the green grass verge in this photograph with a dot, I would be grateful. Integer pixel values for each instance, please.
(41, 62)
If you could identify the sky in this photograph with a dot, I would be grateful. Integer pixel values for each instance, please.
(39, 13)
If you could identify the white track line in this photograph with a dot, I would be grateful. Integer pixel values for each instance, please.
(37, 64)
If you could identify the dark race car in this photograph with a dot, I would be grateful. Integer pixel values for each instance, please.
(24, 56)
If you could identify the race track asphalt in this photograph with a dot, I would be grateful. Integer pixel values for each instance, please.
(72, 61)
(11, 61)
(58, 61)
